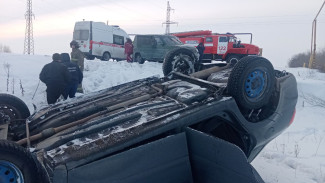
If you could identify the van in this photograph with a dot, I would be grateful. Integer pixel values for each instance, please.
(98, 40)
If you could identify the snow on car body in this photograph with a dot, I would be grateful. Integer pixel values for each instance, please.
(173, 129)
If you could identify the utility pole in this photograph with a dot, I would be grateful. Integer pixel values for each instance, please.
(29, 40)
(168, 22)
(312, 61)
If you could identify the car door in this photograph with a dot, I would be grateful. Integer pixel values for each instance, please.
(143, 45)
(222, 45)
(118, 47)
(159, 48)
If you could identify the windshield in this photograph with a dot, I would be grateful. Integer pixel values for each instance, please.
(172, 40)
(233, 39)
(81, 35)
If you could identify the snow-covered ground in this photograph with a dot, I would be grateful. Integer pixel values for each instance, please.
(297, 155)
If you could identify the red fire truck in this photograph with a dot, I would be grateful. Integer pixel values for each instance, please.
(219, 46)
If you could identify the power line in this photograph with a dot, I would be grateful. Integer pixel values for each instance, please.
(29, 40)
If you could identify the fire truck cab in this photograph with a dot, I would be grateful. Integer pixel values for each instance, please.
(224, 47)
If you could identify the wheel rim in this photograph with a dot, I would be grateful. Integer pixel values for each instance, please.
(255, 83)
(182, 63)
(9, 173)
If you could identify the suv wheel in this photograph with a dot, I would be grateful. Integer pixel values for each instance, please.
(179, 61)
(251, 82)
(139, 59)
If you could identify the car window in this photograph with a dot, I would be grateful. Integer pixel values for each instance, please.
(144, 41)
(232, 39)
(170, 40)
(81, 35)
(208, 39)
(118, 40)
(158, 41)
(223, 39)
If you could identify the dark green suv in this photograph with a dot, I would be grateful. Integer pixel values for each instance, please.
(177, 56)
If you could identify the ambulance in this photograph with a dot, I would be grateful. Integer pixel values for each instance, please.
(99, 40)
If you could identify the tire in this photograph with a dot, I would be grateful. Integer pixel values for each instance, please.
(233, 60)
(19, 165)
(13, 110)
(251, 82)
(179, 60)
(106, 56)
(139, 59)
(90, 57)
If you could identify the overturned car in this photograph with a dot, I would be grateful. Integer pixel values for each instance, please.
(206, 127)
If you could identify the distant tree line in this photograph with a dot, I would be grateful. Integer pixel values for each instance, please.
(4, 48)
(302, 59)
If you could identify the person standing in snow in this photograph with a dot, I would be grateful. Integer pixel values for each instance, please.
(56, 76)
(201, 49)
(76, 76)
(128, 46)
(77, 57)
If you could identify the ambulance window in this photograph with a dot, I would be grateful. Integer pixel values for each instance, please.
(208, 39)
(118, 40)
(81, 35)
(223, 39)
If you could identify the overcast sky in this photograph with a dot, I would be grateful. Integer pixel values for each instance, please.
(281, 27)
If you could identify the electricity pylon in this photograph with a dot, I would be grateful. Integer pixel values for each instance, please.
(168, 22)
(312, 61)
(29, 40)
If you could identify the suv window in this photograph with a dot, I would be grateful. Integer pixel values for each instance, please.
(118, 40)
(158, 41)
(144, 41)
(81, 35)
(171, 40)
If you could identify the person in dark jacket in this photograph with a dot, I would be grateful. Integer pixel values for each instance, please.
(76, 76)
(56, 76)
(201, 49)
(128, 46)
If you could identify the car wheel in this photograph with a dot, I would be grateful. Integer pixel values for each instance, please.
(251, 82)
(13, 110)
(232, 60)
(139, 59)
(90, 57)
(179, 61)
(19, 165)
(106, 56)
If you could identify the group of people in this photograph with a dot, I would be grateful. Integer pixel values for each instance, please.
(63, 76)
